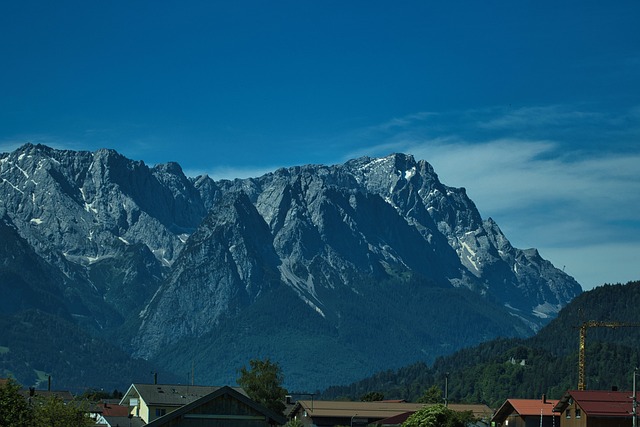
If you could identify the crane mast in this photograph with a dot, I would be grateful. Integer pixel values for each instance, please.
(583, 336)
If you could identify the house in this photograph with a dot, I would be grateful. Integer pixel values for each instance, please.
(595, 408)
(527, 413)
(31, 393)
(111, 414)
(225, 406)
(151, 401)
(332, 413)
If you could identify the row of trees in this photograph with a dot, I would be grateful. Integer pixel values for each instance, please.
(18, 411)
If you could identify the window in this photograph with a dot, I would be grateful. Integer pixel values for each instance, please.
(160, 412)
(578, 413)
(568, 413)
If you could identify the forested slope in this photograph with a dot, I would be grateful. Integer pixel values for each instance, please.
(527, 368)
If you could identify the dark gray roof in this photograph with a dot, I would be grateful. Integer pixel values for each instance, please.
(235, 392)
(170, 394)
(65, 395)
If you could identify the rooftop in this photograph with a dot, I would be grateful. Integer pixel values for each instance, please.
(599, 402)
(379, 410)
(526, 407)
(169, 394)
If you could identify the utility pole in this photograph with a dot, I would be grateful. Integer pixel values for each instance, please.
(446, 390)
(635, 400)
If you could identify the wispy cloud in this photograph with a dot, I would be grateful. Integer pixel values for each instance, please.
(510, 177)
(539, 116)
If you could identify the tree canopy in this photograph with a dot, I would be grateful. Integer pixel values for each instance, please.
(54, 412)
(14, 409)
(432, 395)
(263, 383)
(438, 416)
(372, 396)
(17, 411)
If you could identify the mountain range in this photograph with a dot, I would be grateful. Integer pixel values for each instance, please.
(333, 271)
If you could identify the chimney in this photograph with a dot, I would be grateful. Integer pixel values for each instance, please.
(49, 384)
(614, 388)
(544, 398)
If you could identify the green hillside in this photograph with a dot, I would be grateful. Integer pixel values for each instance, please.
(527, 368)
(35, 345)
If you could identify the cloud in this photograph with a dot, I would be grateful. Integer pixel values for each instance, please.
(539, 116)
(513, 177)
(583, 213)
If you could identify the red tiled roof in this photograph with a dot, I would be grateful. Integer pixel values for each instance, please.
(533, 406)
(111, 410)
(604, 403)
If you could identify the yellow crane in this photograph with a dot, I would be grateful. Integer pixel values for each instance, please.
(583, 335)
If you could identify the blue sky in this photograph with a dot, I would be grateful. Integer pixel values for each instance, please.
(533, 106)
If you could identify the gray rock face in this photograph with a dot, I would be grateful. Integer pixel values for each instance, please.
(80, 211)
(434, 229)
(176, 259)
(227, 263)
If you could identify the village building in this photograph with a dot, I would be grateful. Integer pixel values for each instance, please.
(324, 413)
(109, 413)
(31, 393)
(596, 408)
(172, 405)
(151, 401)
(226, 407)
(527, 413)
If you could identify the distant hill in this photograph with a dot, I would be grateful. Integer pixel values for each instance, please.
(335, 272)
(546, 363)
(36, 345)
